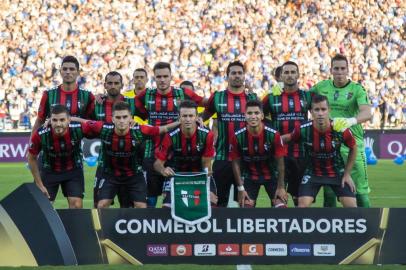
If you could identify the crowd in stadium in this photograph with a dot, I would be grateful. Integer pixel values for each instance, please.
(198, 38)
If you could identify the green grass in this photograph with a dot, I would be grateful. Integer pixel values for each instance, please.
(387, 181)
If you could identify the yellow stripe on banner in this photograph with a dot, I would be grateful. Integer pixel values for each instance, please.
(14, 250)
(117, 255)
(96, 220)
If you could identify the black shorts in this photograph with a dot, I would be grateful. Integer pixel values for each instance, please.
(155, 180)
(123, 197)
(311, 185)
(72, 183)
(252, 188)
(110, 185)
(294, 171)
(224, 178)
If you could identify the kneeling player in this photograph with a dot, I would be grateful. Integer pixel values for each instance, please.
(188, 148)
(325, 165)
(254, 151)
(118, 157)
(62, 158)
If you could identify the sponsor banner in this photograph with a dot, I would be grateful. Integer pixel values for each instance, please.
(293, 235)
(392, 145)
(14, 148)
(157, 250)
(205, 250)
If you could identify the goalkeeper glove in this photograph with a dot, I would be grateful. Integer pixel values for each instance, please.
(276, 89)
(341, 124)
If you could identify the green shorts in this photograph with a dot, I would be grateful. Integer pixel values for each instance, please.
(359, 171)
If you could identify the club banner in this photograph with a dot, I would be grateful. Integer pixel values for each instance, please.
(190, 198)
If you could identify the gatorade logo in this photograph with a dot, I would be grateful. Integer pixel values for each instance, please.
(252, 250)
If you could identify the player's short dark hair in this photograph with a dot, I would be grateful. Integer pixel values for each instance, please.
(121, 106)
(289, 63)
(142, 70)
(254, 103)
(162, 65)
(71, 59)
(319, 98)
(188, 104)
(186, 84)
(277, 73)
(339, 57)
(114, 73)
(233, 64)
(59, 108)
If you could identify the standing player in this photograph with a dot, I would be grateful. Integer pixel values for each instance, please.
(118, 155)
(349, 109)
(230, 108)
(161, 105)
(188, 148)
(255, 149)
(61, 159)
(140, 80)
(324, 163)
(79, 102)
(113, 83)
(288, 111)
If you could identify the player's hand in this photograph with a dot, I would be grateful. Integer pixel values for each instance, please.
(243, 197)
(199, 121)
(249, 89)
(281, 194)
(100, 98)
(348, 180)
(167, 172)
(341, 124)
(47, 122)
(43, 190)
(213, 198)
(132, 123)
(276, 89)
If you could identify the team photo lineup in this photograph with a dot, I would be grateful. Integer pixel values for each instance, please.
(291, 141)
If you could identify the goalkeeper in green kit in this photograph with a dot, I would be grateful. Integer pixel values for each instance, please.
(349, 108)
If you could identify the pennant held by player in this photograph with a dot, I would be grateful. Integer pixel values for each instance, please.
(190, 197)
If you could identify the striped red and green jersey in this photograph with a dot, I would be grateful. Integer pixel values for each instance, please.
(162, 110)
(80, 102)
(118, 155)
(60, 153)
(230, 109)
(104, 111)
(322, 149)
(288, 111)
(185, 154)
(257, 153)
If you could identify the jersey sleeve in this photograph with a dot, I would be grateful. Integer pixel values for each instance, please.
(349, 139)
(210, 105)
(139, 101)
(362, 97)
(43, 109)
(314, 89)
(148, 130)
(295, 135)
(234, 150)
(280, 150)
(90, 107)
(209, 148)
(35, 144)
(265, 105)
(193, 96)
(161, 152)
(92, 129)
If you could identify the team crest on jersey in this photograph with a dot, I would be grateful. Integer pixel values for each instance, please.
(237, 105)
(267, 147)
(322, 144)
(164, 102)
(336, 95)
(291, 104)
(256, 148)
(133, 142)
(349, 95)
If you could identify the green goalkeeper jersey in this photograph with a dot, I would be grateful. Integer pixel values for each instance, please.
(344, 101)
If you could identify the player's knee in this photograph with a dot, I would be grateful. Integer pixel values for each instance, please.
(103, 204)
(140, 205)
(304, 202)
(75, 203)
(348, 202)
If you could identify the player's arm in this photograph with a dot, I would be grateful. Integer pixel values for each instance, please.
(349, 141)
(242, 194)
(265, 105)
(209, 109)
(91, 129)
(167, 128)
(280, 165)
(161, 154)
(364, 114)
(33, 151)
(90, 109)
(208, 154)
(42, 113)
